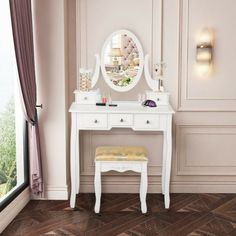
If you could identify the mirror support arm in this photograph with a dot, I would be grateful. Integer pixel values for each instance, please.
(152, 83)
(96, 73)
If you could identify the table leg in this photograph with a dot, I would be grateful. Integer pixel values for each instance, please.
(164, 162)
(168, 143)
(77, 174)
(73, 157)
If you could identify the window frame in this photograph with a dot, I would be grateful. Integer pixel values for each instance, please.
(4, 203)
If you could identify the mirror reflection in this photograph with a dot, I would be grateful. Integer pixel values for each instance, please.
(122, 60)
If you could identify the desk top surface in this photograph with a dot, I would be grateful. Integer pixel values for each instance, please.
(123, 107)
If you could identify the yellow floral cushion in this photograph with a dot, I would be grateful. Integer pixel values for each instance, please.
(113, 153)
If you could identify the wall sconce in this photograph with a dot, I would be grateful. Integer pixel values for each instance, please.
(204, 52)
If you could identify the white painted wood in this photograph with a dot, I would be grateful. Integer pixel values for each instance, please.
(121, 120)
(146, 121)
(152, 83)
(143, 188)
(164, 163)
(77, 162)
(123, 107)
(92, 121)
(167, 163)
(121, 166)
(73, 163)
(87, 97)
(91, 117)
(161, 98)
(97, 187)
(95, 76)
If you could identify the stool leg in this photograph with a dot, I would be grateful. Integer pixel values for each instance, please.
(97, 187)
(143, 188)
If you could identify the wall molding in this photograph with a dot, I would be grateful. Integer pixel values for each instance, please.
(184, 169)
(175, 187)
(13, 209)
(185, 101)
(81, 32)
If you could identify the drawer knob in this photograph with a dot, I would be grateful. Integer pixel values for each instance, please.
(158, 99)
(147, 122)
(85, 98)
(121, 120)
(95, 121)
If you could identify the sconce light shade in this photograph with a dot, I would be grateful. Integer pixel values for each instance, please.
(204, 53)
(204, 50)
(205, 36)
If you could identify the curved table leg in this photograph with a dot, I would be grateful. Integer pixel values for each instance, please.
(74, 160)
(164, 163)
(143, 188)
(167, 161)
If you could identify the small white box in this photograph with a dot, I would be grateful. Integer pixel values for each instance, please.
(161, 98)
(84, 97)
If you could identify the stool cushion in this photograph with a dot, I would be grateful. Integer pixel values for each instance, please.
(116, 153)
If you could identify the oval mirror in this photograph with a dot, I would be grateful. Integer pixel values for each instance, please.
(122, 60)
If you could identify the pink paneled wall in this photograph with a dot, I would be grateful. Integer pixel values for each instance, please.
(204, 135)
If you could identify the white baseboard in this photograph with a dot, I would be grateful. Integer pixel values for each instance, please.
(176, 187)
(13, 209)
(52, 192)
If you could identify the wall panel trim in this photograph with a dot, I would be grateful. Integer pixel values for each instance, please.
(185, 102)
(183, 169)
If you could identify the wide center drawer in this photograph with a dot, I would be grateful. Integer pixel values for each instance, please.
(146, 121)
(92, 120)
(121, 120)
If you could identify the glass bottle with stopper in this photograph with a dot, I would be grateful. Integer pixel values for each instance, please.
(84, 79)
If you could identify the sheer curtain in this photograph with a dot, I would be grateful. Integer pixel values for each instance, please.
(21, 17)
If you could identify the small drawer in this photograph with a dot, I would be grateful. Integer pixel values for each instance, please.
(89, 97)
(92, 121)
(148, 121)
(159, 98)
(121, 120)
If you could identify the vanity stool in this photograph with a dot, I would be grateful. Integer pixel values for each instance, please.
(121, 159)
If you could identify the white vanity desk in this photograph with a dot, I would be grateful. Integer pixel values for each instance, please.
(122, 64)
(126, 115)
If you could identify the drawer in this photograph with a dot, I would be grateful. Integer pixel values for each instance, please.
(92, 121)
(121, 120)
(159, 98)
(82, 97)
(148, 121)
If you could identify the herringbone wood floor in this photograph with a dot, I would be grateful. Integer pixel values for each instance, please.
(189, 214)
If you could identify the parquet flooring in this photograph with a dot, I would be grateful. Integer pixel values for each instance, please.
(189, 214)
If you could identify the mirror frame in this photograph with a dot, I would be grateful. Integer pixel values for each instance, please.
(141, 62)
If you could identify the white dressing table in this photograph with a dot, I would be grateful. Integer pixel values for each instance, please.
(125, 115)
(122, 62)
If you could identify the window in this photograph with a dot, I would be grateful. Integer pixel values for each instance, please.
(12, 125)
